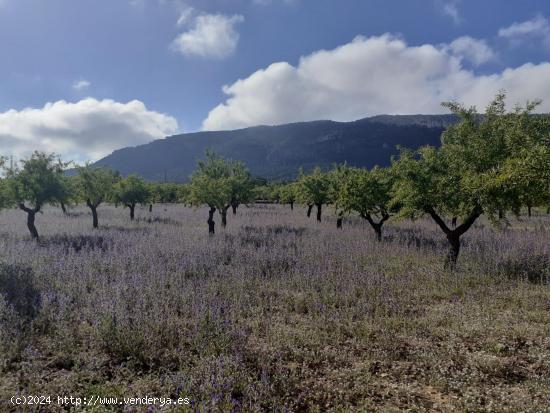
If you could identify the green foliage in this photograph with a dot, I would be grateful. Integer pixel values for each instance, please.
(96, 185)
(242, 184)
(288, 193)
(364, 192)
(166, 193)
(265, 193)
(209, 184)
(5, 201)
(313, 188)
(131, 190)
(218, 182)
(526, 172)
(39, 181)
(479, 165)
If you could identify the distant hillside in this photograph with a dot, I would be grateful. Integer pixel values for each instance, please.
(277, 152)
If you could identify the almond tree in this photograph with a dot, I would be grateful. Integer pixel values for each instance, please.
(527, 170)
(367, 193)
(288, 193)
(314, 190)
(39, 181)
(95, 186)
(337, 179)
(242, 185)
(131, 191)
(210, 185)
(469, 175)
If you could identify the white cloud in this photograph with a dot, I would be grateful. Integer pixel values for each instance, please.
(369, 76)
(81, 85)
(88, 129)
(212, 36)
(537, 27)
(450, 8)
(185, 16)
(474, 50)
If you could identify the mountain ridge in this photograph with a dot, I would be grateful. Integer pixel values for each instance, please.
(277, 152)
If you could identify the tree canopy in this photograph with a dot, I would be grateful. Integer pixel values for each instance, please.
(470, 173)
(95, 186)
(368, 193)
(314, 189)
(131, 191)
(39, 181)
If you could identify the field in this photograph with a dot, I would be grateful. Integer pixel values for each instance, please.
(276, 313)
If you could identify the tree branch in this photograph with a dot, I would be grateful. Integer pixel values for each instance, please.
(439, 221)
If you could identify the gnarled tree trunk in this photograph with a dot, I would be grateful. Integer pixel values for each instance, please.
(339, 220)
(453, 235)
(319, 211)
(223, 213)
(63, 208)
(132, 210)
(377, 226)
(292, 205)
(31, 213)
(234, 206)
(309, 208)
(210, 222)
(150, 207)
(93, 208)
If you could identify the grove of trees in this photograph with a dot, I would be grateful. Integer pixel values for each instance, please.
(491, 164)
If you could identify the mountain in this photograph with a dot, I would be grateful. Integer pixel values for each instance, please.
(277, 152)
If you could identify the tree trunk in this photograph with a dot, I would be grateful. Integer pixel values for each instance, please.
(150, 207)
(292, 205)
(31, 213)
(309, 208)
(95, 222)
(30, 224)
(500, 214)
(547, 210)
(453, 222)
(454, 250)
(378, 231)
(210, 222)
(529, 210)
(339, 222)
(377, 226)
(453, 236)
(234, 206)
(319, 210)
(132, 210)
(223, 213)
(93, 208)
(63, 208)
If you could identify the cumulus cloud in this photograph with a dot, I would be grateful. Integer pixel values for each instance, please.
(212, 36)
(81, 85)
(537, 27)
(475, 51)
(85, 130)
(369, 76)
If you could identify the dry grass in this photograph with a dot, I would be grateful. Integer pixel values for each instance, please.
(277, 313)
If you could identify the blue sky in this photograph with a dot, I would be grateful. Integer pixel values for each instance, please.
(82, 78)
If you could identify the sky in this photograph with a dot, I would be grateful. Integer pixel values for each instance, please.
(82, 78)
